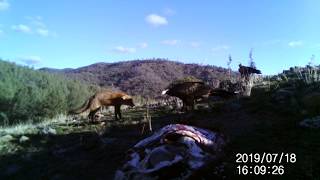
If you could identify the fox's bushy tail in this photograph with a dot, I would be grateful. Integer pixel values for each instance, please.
(83, 108)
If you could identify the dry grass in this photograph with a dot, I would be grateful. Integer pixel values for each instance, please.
(31, 128)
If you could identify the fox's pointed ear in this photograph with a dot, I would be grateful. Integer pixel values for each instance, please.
(126, 97)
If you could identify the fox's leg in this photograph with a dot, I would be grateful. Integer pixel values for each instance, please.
(117, 112)
(93, 113)
(91, 116)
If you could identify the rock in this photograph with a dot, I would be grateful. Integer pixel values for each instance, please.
(282, 95)
(108, 140)
(24, 139)
(202, 106)
(27, 156)
(311, 103)
(235, 106)
(48, 131)
(6, 138)
(304, 112)
(12, 169)
(56, 177)
(313, 123)
(170, 107)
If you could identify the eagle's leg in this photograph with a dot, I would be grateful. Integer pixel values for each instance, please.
(189, 104)
(192, 105)
(184, 105)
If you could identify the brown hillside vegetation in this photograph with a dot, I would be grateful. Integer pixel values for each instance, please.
(144, 77)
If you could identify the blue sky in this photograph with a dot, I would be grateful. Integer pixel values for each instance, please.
(62, 34)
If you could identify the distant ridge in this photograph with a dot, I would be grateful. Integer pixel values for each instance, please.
(143, 77)
(53, 70)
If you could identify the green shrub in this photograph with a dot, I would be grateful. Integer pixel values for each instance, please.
(27, 94)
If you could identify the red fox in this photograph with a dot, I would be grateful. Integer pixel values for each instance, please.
(105, 98)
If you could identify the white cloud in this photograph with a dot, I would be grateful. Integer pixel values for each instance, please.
(295, 43)
(4, 5)
(41, 27)
(170, 42)
(269, 42)
(195, 44)
(36, 21)
(156, 20)
(124, 50)
(39, 24)
(220, 48)
(35, 26)
(35, 18)
(30, 60)
(22, 28)
(169, 12)
(43, 32)
(143, 45)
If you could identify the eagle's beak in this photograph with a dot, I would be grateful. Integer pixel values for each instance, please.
(164, 92)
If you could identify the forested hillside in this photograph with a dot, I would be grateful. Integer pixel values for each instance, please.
(144, 77)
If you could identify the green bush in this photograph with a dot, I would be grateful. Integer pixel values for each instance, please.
(27, 94)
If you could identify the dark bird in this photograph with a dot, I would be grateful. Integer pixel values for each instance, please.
(188, 91)
(245, 71)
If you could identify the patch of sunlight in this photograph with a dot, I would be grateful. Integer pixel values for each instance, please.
(31, 128)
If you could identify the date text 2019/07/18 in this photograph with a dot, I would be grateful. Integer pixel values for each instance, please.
(266, 158)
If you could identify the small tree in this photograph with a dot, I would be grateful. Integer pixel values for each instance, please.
(229, 63)
(312, 60)
(251, 60)
(248, 80)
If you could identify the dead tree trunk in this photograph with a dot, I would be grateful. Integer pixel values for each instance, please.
(247, 84)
